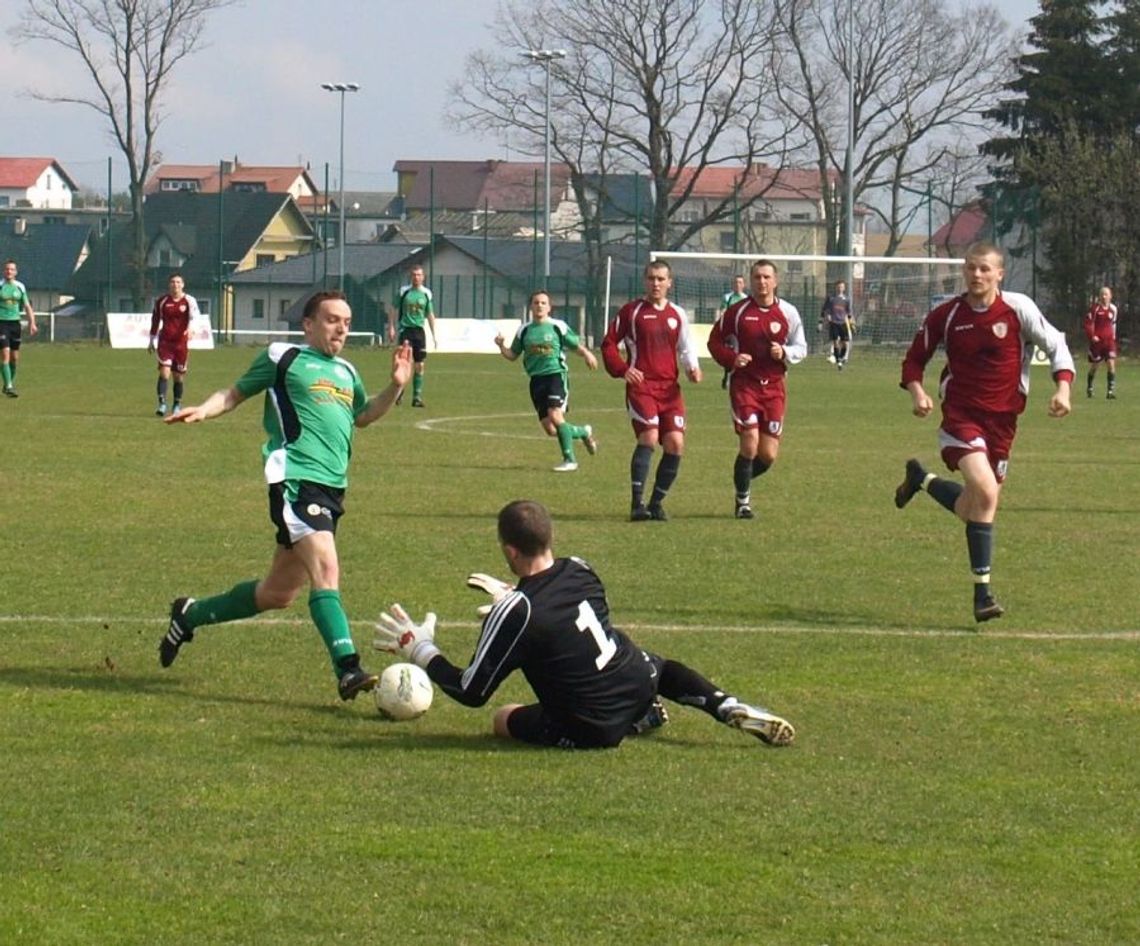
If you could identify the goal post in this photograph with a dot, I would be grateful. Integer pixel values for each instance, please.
(890, 295)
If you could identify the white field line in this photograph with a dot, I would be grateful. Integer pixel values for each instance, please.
(159, 622)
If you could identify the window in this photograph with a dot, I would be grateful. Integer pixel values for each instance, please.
(727, 241)
(54, 219)
(800, 217)
(795, 267)
(4, 200)
(283, 306)
(258, 309)
(178, 184)
(248, 187)
(164, 258)
(689, 216)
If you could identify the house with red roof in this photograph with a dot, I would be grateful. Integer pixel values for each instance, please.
(235, 176)
(37, 183)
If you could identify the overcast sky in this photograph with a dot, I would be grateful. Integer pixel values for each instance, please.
(254, 91)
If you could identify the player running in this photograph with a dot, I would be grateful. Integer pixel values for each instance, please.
(988, 336)
(654, 333)
(542, 344)
(170, 335)
(594, 686)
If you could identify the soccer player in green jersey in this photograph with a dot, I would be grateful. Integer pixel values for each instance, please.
(314, 399)
(542, 343)
(412, 307)
(13, 304)
(737, 294)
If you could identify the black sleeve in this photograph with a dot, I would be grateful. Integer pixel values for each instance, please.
(496, 654)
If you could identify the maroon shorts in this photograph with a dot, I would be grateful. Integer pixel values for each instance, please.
(174, 355)
(966, 431)
(655, 407)
(758, 406)
(1101, 351)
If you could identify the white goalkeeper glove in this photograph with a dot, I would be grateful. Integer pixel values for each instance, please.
(399, 634)
(495, 588)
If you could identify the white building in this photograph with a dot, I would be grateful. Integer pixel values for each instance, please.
(35, 183)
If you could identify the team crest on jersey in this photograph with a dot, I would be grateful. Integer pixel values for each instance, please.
(1001, 329)
(1002, 469)
(773, 327)
(671, 322)
(774, 427)
(679, 422)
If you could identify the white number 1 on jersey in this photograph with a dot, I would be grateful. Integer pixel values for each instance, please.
(588, 621)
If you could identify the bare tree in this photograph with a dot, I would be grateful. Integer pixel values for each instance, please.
(129, 49)
(922, 76)
(662, 88)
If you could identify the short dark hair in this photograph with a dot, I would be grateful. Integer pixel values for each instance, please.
(985, 248)
(764, 262)
(315, 300)
(658, 264)
(538, 292)
(526, 525)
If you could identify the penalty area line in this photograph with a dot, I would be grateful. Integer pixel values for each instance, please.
(159, 623)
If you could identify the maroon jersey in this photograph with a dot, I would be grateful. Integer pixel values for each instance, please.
(749, 329)
(988, 353)
(653, 340)
(1101, 322)
(173, 315)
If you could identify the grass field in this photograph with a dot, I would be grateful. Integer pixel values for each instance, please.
(948, 784)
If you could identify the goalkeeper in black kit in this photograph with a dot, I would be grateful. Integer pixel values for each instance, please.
(593, 684)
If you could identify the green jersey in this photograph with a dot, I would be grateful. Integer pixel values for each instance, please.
(414, 306)
(543, 346)
(311, 403)
(13, 299)
(731, 298)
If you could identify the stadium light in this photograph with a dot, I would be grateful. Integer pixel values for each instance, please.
(546, 56)
(341, 87)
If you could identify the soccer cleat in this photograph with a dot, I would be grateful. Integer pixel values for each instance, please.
(160, 411)
(10, 391)
(1088, 392)
(566, 466)
(417, 402)
(987, 609)
(400, 397)
(769, 729)
(657, 512)
(639, 513)
(357, 680)
(178, 633)
(590, 441)
(744, 511)
(657, 717)
(911, 483)
(839, 364)
(176, 409)
(1111, 395)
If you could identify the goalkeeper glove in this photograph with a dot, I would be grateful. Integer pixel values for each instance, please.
(399, 634)
(495, 588)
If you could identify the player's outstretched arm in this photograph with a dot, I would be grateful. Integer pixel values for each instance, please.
(397, 633)
(218, 403)
(379, 404)
(1060, 403)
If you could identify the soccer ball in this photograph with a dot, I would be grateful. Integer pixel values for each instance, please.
(404, 692)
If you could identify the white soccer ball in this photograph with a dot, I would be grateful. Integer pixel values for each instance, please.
(404, 692)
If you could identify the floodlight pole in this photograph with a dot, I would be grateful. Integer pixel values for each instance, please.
(849, 184)
(546, 56)
(341, 87)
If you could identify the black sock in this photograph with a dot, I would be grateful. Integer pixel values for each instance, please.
(1089, 384)
(683, 685)
(178, 391)
(944, 492)
(759, 467)
(639, 471)
(742, 475)
(1111, 379)
(980, 545)
(161, 388)
(666, 474)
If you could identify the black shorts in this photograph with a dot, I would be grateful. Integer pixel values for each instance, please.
(838, 331)
(10, 334)
(547, 393)
(533, 724)
(316, 508)
(416, 337)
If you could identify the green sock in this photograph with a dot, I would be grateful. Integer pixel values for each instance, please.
(233, 605)
(7, 370)
(417, 386)
(12, 366)
(332, 623)
(566, 441)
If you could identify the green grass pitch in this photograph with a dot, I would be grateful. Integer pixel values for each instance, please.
(949, 784)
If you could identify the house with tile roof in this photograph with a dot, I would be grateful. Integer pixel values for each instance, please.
(39, 183)
(47, 255)
(238, 178)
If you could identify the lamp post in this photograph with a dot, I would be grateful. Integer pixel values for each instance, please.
(341, 87)
(546, 56)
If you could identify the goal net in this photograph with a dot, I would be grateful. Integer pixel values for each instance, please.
(889, 295)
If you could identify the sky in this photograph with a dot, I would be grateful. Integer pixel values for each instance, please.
(252, 90)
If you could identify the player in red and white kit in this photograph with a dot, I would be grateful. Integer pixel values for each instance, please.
(654, 333)
(988, 336)
(170, 335)
(757, 338)
(1100, 329)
